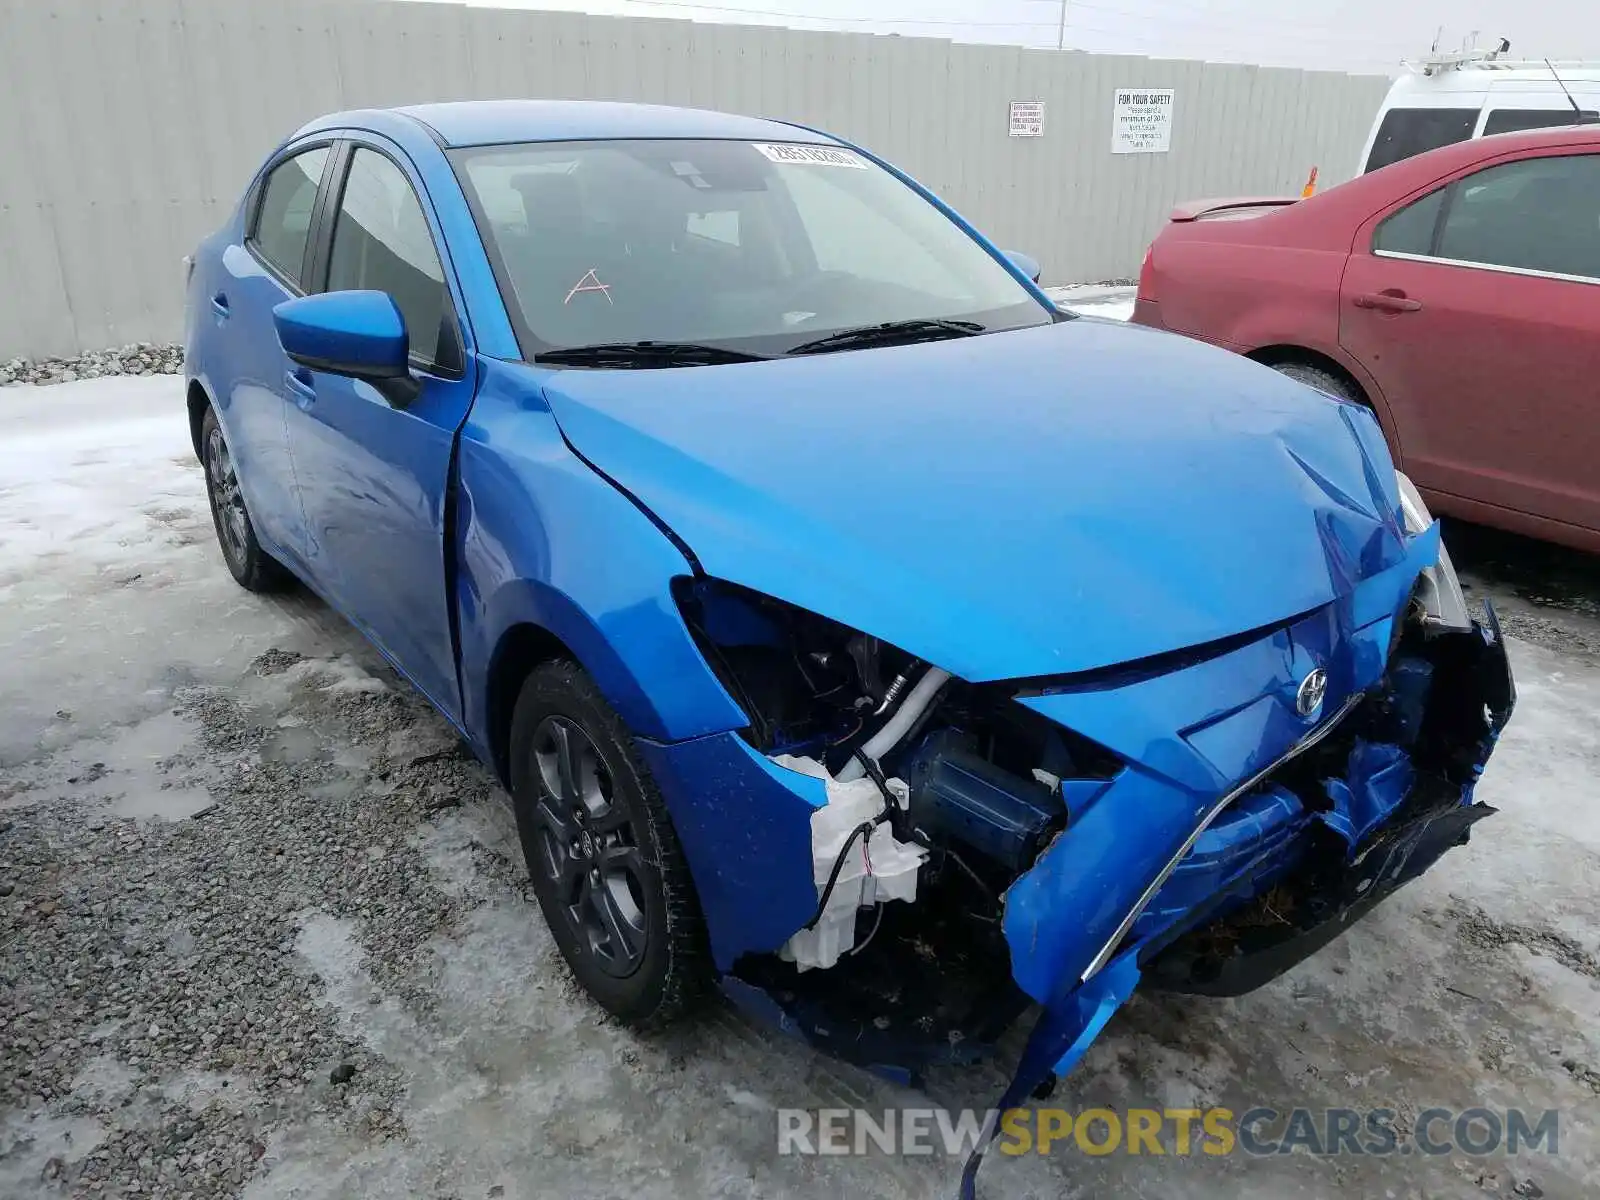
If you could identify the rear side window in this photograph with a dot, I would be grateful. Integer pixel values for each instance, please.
(1408, 131)
(283, 221)
(381, 242)
(1512, 120)
(1410, 231)
(1539, 214)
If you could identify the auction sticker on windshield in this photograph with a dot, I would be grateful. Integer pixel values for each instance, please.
(817, 156)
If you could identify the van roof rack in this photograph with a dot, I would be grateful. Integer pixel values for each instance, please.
(1438, 62)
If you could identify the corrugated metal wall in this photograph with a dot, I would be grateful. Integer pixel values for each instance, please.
(132, 125)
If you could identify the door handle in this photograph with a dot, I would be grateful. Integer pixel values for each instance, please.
(302, 386)
(1388, 302)
(219, 305)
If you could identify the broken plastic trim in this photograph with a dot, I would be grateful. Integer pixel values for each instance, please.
(1411, 847)
(1306, 743)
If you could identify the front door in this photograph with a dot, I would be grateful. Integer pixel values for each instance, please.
(1477, 310)
(374, 477)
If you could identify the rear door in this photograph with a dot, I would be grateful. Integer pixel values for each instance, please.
(1476, 307)
(374, 477)
(268, 268)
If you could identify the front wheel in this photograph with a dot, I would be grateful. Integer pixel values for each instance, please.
(251, 566)
(602, 854)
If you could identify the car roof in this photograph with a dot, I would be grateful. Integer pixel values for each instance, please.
(1327, 219)
(1446, 158)
(1357, 197)
(499, 122)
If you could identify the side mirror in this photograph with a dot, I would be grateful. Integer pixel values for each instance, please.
(1027, 265)
(356, 334)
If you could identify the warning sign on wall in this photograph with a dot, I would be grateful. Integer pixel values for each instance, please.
(1027, 118)
(1141, 121)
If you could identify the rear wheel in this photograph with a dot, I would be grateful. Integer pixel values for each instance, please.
(251, 566)
(1323, 380)
(602, 854)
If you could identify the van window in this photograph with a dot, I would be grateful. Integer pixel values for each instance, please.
(1409, 131)
(1512, 120)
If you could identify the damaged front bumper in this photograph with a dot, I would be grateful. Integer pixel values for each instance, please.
(1340, 817)
(1245, 829)
(1302, 850)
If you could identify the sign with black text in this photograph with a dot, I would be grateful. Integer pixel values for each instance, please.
(1141, 121)
(1027, 118)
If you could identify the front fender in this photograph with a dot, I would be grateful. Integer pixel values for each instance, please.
(543, 540)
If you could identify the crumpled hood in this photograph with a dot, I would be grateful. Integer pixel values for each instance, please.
(1019, 504)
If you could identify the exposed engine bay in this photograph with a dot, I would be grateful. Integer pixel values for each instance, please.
(942, 794)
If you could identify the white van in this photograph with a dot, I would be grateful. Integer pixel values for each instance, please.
(1453, 97)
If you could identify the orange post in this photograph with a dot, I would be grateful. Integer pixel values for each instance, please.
(1311, 185)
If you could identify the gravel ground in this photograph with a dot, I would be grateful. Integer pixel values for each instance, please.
(264, 930)
(140, 358)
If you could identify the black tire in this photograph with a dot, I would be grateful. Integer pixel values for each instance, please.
(1323, 380)
(251, 566)
(602, 854)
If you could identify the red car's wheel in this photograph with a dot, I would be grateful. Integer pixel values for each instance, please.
(1324, 381)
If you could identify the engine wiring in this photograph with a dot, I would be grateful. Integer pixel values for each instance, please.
(866, 827)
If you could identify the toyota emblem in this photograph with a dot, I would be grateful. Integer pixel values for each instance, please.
(1312, 689)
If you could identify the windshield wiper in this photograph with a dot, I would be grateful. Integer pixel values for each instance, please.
(889, 333)
(644, 355)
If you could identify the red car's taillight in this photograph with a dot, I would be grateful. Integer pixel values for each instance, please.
(1147, 275)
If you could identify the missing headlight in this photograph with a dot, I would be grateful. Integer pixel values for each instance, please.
(809, 685)
(989, 780)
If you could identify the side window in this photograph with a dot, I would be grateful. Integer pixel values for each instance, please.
(381, 242)
(1512, 120)
(283, 220)
(1538, 214)
(1410, 231)
(1409, 131)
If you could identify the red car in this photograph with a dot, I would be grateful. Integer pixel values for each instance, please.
(1456, 294)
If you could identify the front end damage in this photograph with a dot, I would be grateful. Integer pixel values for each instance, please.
(918, 860)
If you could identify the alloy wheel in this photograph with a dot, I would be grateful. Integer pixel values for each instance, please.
(226, 499)
(587, 847)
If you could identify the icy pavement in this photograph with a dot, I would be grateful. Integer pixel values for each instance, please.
(264, 930)
(1112, 301)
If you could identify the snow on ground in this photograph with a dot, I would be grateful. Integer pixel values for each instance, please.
(243, 858)
(54, 505)
(1111, 310)
(1111, 301)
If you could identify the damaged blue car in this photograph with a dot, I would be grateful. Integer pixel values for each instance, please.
(852, 628)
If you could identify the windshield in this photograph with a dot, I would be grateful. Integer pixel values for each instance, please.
(753, 247)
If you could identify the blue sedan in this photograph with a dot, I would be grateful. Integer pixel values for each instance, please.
(851, 628)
